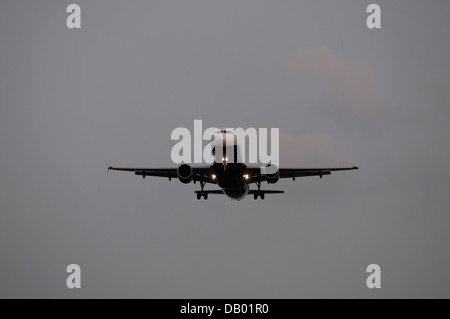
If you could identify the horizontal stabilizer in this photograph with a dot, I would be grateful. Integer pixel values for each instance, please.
(252, 192)
(210, 192)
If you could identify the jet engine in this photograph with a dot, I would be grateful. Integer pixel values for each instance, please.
(273, 177)
(185, 173)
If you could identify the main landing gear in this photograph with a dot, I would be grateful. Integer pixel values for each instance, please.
(258, 192)
(202, 193)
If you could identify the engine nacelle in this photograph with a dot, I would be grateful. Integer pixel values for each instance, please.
(185, 173)
(273, 177)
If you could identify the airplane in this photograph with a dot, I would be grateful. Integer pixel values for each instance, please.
(233, 178)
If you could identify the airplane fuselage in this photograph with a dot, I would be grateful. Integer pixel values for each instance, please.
(230, 178)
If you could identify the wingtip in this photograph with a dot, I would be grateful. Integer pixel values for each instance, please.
(355, 167)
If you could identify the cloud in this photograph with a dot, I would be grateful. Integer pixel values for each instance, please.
(435, 90)
(308, 150)
(355, 84)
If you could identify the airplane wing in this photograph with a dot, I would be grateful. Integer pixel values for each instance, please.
(255, 172)
(202, 174)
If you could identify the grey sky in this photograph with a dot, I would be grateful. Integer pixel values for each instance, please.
(73, 102)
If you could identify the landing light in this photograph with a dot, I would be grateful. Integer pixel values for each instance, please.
(246, 176)
(213, 176)
(225, 159)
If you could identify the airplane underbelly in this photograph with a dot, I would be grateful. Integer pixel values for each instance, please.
(236, 193)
